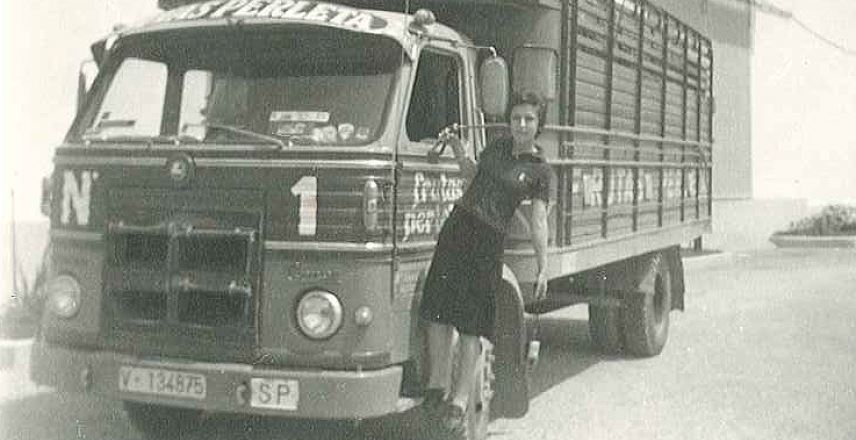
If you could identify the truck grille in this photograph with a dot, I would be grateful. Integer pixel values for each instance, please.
(182, 280)
(140, 305)
(181, 274)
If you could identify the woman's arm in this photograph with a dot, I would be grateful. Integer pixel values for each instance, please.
(540, 233)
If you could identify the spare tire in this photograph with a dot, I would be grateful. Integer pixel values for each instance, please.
(646, 308)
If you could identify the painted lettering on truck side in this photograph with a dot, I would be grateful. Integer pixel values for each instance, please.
(432, 199)
(76, 196)
(589, 183)
(300, 10)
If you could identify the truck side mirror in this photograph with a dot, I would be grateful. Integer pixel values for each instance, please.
(85, 76)
(535, 69)
(494, 86)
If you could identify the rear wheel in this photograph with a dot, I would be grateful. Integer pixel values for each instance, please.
(160, 422)
(604, 315)
(646, 309)
(605, 328)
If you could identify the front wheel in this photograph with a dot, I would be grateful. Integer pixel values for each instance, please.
(162, 422)
(478, 409)
(477, 416)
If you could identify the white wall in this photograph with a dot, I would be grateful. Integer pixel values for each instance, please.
(804, 104)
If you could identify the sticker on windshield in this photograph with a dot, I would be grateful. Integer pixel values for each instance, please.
(346, 131)
(300, 116)
(329, 134)
(363, 133)
(290, 128)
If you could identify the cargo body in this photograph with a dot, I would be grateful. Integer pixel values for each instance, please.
(243, 211)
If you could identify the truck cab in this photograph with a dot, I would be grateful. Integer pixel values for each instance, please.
(236, 209)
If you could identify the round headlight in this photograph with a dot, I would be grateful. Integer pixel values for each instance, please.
(63, 296)
(319, 314)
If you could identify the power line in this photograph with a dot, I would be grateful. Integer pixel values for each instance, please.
(771, 9)
(820, 37)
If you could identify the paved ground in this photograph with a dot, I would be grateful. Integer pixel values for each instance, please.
(765, 350)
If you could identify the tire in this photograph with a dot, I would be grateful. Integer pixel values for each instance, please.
(605, 329)
(478, 409)
(477, 417)
(646, 309)
(162, 422)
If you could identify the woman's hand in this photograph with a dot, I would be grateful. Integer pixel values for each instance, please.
(539, 232)
(541, 286)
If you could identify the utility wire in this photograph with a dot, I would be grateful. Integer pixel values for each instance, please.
(771, 9)
(820, 37)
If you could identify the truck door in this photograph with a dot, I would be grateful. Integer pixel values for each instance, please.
(427, 192)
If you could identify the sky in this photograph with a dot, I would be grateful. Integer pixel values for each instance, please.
(44, 42)
(804, 95)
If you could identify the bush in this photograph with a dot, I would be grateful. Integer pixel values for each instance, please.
(832, 220)
(20, 317)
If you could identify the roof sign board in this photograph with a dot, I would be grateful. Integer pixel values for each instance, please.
(291, 10)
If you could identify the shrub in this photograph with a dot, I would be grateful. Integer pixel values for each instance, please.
(20, 317)
(832, 220)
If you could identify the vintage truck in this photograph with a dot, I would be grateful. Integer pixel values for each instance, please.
(244, 207)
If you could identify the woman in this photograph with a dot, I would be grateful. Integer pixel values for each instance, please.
(467, 265)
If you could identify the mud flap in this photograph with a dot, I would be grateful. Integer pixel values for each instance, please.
(676, 266)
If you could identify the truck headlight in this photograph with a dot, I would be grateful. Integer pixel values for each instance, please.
(319, 314)
(63, 296)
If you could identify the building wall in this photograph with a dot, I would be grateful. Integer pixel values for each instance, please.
(729, 24)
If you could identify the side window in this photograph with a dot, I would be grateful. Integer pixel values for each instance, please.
(134, 103)
(435, 101)
(196, 91)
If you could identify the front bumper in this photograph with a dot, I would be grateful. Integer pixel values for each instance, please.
(324, 394)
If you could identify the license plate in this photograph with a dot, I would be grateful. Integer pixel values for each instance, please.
(280, 394)
(162, 382)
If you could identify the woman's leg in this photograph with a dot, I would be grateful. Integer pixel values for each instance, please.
(470, 349)
(439, 355)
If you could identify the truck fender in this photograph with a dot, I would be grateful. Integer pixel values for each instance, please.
(625, 275)
(511, 396)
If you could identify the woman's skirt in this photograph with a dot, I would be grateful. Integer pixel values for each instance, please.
(465, 272)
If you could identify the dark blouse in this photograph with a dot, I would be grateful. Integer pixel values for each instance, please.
(503, 181)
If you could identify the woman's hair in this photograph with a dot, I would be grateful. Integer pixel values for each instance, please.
(533, 99)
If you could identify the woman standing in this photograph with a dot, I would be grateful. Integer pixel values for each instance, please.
(467, 264)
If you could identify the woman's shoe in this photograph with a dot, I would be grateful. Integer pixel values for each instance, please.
(454, 420)
(433, 400)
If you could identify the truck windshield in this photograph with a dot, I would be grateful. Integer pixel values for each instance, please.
(297, 87)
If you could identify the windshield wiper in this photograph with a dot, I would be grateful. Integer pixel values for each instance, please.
(179, 139)
(159, 139)
(241, 131)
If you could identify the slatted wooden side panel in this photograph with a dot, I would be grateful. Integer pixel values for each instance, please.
(634, 76)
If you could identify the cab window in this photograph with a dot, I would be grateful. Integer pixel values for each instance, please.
(435, 101)
(133, 105)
